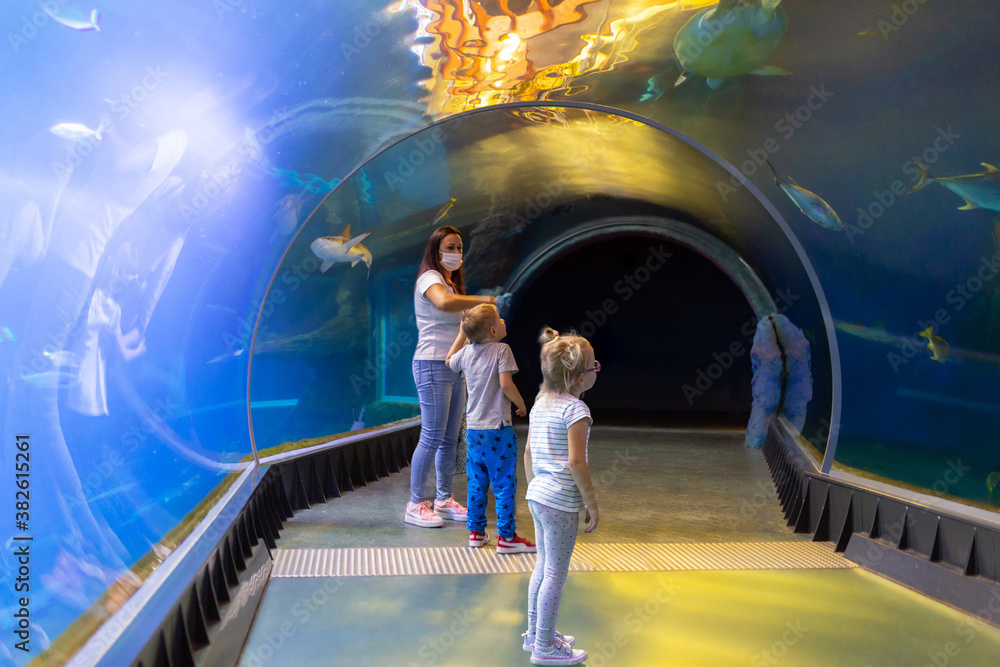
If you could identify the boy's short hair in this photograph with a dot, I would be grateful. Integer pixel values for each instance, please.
(476, 321)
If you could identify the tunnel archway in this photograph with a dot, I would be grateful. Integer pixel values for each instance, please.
(672, 331)
(518, 180)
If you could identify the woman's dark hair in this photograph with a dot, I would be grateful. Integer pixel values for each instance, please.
(431, 261)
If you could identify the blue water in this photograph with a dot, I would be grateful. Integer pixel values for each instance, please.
(158, 279)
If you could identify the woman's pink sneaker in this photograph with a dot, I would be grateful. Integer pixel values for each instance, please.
(422, 515)
(450, 509)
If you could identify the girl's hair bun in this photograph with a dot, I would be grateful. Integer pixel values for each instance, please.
(547, 336)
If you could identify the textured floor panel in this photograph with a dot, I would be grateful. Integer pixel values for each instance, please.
(368, 562)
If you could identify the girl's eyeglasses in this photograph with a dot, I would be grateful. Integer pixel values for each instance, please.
(596, 368)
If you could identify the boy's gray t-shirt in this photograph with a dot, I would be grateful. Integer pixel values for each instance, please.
(482, 363)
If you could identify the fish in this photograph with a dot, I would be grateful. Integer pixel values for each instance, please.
(343, 248)
(876, 333)
(52, 379)
(978, 190)
(287, 214)
(74, 17)
(655, 88)
(992, 481)
(358, 423)
(62, 358)
(938, 346)
(229, 355)
(810, 204)
(444, 211)
(79, 131)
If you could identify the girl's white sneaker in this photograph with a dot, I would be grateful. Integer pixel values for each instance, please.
(560, 653)
(529, 640)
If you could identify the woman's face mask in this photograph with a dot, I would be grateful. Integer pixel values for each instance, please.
(451, 260)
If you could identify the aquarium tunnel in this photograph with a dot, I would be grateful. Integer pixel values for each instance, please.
(186, 379)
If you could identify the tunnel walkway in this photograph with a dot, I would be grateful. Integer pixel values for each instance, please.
(692, 565)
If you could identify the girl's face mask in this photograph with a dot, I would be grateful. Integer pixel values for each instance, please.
(451, 260)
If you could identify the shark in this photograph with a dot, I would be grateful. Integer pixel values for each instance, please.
(809, 203)
(343, 248)
(876, 333)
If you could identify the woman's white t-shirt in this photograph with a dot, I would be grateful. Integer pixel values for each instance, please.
(436, 329)
(553, 484)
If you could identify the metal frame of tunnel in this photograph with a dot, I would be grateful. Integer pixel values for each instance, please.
(836, 386)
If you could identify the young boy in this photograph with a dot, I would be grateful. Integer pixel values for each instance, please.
(488, 365)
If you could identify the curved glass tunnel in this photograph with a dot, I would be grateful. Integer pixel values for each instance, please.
(164, 170)
(524, 191)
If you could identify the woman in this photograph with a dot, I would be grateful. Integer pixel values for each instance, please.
(438, 301)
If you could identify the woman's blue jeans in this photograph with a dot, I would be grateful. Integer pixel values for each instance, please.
(442, 403)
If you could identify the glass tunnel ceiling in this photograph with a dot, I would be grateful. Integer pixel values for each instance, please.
(137, 262)
(523, 183)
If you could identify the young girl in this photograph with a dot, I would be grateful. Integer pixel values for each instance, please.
(559, 486)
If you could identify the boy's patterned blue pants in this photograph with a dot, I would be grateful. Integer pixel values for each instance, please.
(492, 460)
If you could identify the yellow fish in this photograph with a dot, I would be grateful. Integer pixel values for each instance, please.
(938, 346)
(992, 480)
(444, 211)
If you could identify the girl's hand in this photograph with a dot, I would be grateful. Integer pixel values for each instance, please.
(592, 519)
(521, 411)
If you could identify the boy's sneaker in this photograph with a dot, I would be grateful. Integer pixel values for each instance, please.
(560, 653)
(515, 545)
(529, 640)
(477, 539)
(422, 515)
(450, 509)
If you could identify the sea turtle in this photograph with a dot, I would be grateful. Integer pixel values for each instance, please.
(732, 39)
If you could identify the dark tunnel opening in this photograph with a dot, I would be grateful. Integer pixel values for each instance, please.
(664, 322)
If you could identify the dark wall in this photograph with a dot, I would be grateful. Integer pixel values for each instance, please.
(656, 313)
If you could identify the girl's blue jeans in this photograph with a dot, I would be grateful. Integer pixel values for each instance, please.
(442, 403)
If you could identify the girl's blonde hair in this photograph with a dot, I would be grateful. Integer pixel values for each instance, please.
(564, 357)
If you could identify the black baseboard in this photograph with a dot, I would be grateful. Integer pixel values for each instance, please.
(941, 552)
